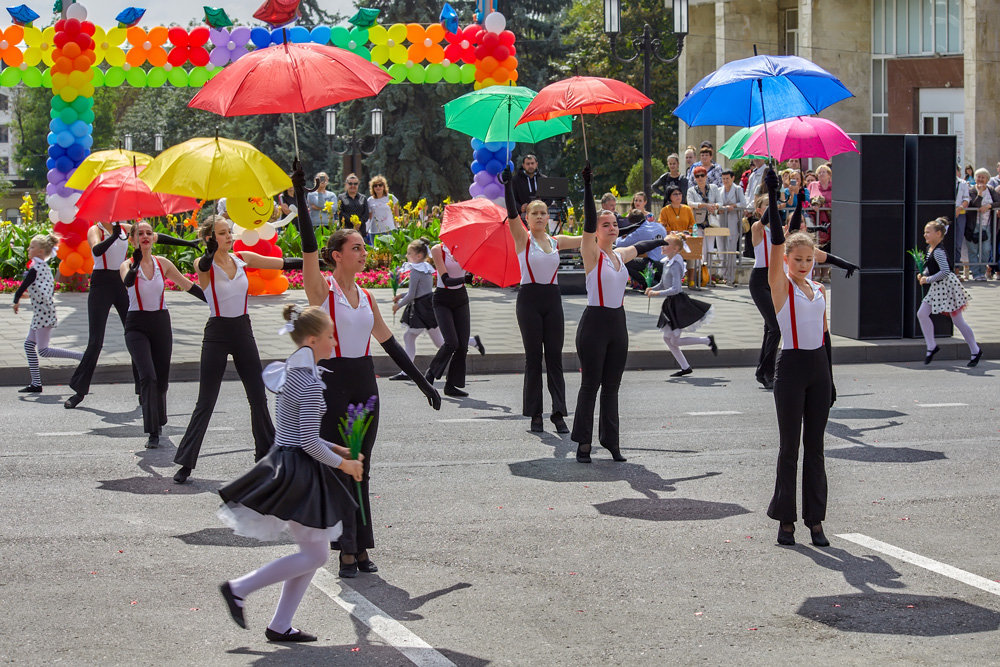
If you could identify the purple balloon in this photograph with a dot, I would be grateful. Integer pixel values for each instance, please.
(482, 178)
(474, 190)
(63, 191)
(493, 190)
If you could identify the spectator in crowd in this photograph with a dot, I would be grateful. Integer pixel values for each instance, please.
(676, 216)
(286, 202)
(352, 203)
(961, 203)
(810, 177)
(970, 175)
(690, 157)
(979, 226)
(729, 202)
(750, 190)
(794, 164)
(791, 193)
(713, 171)
(318, 199)
(645, 230)
(526, 182)
(700, 196)
(672, 176)
(995, 181)
(383, 208)
(639, 204)
(821, 197)
(610, 203)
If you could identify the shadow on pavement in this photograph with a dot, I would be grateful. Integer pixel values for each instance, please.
(864, 413)
(900, 614)
(225, 537)
(394, 600)
(699, 382)
(155, 483)
(861, 572)
(120, 418)
(363, 654)
(475, 404)
(877, 454)
(669, 509)
(640, 478)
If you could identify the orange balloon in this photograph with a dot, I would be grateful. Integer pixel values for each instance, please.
(157, 56)
(416, 52)
(64, 270)
(84, 248)
(435, 53)
(62, 65)
(510, 62)
(435, 32)
(278, 285)
(255, 283)
(513, 76)
(83, 63)
(135, 57)
(500, 74)
(487, 64)
(415, 33)
(269, 274)
(71, 50)
(480, 75)
(72, 264)
(63, 250)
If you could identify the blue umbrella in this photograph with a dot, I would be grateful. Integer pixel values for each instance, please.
(755, 90)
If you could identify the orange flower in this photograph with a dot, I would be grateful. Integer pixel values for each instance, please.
(9, 39)
(147, 46)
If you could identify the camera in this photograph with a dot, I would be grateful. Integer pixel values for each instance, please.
(793, 181)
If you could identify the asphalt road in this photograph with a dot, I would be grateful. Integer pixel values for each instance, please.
(497, 547)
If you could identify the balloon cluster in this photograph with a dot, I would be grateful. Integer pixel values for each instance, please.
(496, 63)
(489, 160)
(263, 281)
(70, 138)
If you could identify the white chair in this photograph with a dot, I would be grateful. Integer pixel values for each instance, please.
(715, 258)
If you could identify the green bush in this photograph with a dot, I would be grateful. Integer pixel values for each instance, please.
(634, 180)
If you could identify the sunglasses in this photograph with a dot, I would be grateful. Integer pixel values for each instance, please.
(352, 183)
(699, 176)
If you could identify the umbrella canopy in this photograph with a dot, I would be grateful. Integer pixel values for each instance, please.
(491, 114)
(101, 161)
(734, 146)
(120, 194)
(760, 89)
(476, 234)
(210, 168)
(802, 137)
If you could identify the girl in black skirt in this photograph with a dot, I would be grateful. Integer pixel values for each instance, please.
(417, 303)
(679, 312)
(350, 376)
(293, 488)
(539, 306)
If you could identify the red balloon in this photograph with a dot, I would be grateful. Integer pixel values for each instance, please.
(239, 246)
(72, 27)
(199, 36)
(87, 28)
(472, 32)
(513, 50)
(72, 239)
(85, 41)
(501, 53)
(482, 51)
(60, 25)
(60, 39)
(507, 38)
(490, 39)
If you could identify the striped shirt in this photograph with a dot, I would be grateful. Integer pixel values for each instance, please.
(299, 410)
(936, 267)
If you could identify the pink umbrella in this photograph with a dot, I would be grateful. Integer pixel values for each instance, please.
(476, 233)
(800, 137)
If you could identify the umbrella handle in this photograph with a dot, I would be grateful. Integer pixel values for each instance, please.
(583, 124)
(763, 113)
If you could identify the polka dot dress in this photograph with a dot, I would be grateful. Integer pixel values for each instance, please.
(947, 295)
(40, 292)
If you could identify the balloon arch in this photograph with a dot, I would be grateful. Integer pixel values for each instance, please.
(74, 57)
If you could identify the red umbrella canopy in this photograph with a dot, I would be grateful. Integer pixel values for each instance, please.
(120, 194)
(476, 234)
(583, 94)
(293, 78)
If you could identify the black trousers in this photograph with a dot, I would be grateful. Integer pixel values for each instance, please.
(602, 346)
(451, 308)
(760, 292)
(351, 381)
(225, 336)
(106, 291)
(802, 399)
(150, 341)
(540, 318)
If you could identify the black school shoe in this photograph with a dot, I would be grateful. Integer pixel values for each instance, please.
(31, 389)
(682, 372)
(972, 362)
(292, 635)
(235, 610)
(73, 401)
(536, 425)
(560, 423)
(454, 392)
(479, 345)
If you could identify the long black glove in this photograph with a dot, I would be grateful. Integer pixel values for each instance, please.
(29, 277)
(452, 282)
(589, 208)
(167, 239)
(642, 247)
(133, 271)
(197, 292)
(205, 261)
(625, 231)
(774, 218)
(795, 224)
(102, 247)
(398, 355)
(303, 220)
(842, 264)
(829, 360)
(508, 194)
(291, 263)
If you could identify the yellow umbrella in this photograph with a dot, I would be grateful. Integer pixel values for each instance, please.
(211, 168)
(97, 163)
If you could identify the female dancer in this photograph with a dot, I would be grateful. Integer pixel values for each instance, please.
(418, 309)
(293, 487)
(350, 371)
(946, 294)
(680, 312)
(227, 332)
(39, 284)
(802, 380)
(539, 307)
(147, 325)
(601, 337)
(110, 247)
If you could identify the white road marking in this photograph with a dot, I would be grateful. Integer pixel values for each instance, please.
(922, 561)
(59, 434)
(942, 405)
(413, 647)
(713, 413)
(221, 428)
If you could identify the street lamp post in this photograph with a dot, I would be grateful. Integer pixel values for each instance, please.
(128, 141)
(647, 45)
(158, 142)
(355, 144)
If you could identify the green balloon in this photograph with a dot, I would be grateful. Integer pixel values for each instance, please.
(198, 77)
(435, 72)
(363, 52)
(81, 104)
(178, 77)
(53, 114)
(98, 79)
(416, 74)
(47, 77)
(10, 77)
(31, 77)
(57, 102)
(156, 77)
(114, 77)
(136, 77)
(212, 73)
(359, 36)
(340, 36)
(87, 116)
(398, 72)
(453, 73)
(468, 73)
(68, 116)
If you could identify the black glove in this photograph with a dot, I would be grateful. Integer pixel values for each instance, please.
(774, 218)
(197, 292)
(133, 271)
(795, 224)
(506, 176)
(303, 221)
(642, 247)
(102, 247)
(508, 197)
(589, 208)
(829, 360)
(625, 231)
(452, 282)
(205, 261)
(842, 264)
(290, 263)
(167, 239)
(398, 355)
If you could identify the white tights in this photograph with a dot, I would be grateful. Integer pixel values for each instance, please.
(37, 343)
(927, 328)
(296, 570)
(674, 341)
(410, 340)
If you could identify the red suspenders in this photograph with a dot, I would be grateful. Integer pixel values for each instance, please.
(527, 263)
(333, 316)
(138, 293)
(791, 306)
(215, 298)
(104, 257)
(600, 287)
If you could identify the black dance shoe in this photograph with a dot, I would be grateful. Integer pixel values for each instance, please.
(536, 425)
(972, 362)
(366, 565)
(768, 384)
(348, 570)
(454, 392)
(182, 475)
(786, 537)
(712, 346)
(682, 372)
(560, 423)
(930, 354)
(235, 610)
(583, 453)
(153, 441)
(479, 345)
(292, 635)
(399, 376)
(31, 389)
(73, 401)
(615, 453)
(818, 537)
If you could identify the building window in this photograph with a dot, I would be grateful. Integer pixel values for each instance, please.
(916, 27)
(4, 135)
(4, 102)
(4, 165)
(791, 47)
(880, 96)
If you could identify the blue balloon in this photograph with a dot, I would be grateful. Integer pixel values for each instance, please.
(50, 164)
(496, 145)
(56, 151)
(79, 128)
(476, 166)
(482, 155)
(476, 144)
(86, 142)
(299, 35)
(51, 139)
(76, 153)
(320, 34)
(65, 139)
(260, 37)
(64, 164)
(57, 126)
(494, 167)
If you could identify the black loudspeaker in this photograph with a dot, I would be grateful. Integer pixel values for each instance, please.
(930, 167)
(867, 306)
(871, 235)
(918, 214)
(877, 173)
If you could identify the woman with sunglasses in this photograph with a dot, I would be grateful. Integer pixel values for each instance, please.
(382, 208)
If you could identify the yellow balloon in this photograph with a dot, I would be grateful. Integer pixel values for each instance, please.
(249, 212)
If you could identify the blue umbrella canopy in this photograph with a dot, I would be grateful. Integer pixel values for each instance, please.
(788, 86)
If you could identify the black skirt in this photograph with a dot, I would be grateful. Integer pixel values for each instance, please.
(679, 311)
(419, 313)
(286, 485)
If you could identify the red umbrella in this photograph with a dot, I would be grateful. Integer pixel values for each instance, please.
(476, 233)
(120, 194)
(581, 95)
(293, 78)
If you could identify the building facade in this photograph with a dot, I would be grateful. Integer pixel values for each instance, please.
(914, 66)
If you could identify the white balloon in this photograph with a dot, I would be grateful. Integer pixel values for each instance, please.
(250, 237)
(495, 22)
(237, 230)
(267, 231)
(57, 201)
(288, 218)
(53, 216)
(74, 198)
(76, 11)
(499, 201)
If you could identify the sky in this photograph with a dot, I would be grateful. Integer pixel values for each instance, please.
(167, 12)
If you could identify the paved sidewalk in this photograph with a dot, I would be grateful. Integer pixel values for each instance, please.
(737, 328)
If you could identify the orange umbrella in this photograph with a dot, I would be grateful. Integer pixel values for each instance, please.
(120, 194)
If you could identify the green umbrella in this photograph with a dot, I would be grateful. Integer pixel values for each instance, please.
(491, 114)
(733, 148)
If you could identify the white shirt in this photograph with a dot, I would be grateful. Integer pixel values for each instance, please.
(114, 256)
(382, 219)
(605, 284)
(227, 298)
(147, 293)
(352, 327)
(962, 193)
(451, 267)
(762, 251)
(729, 219)
(538, 266)
(805, 330)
